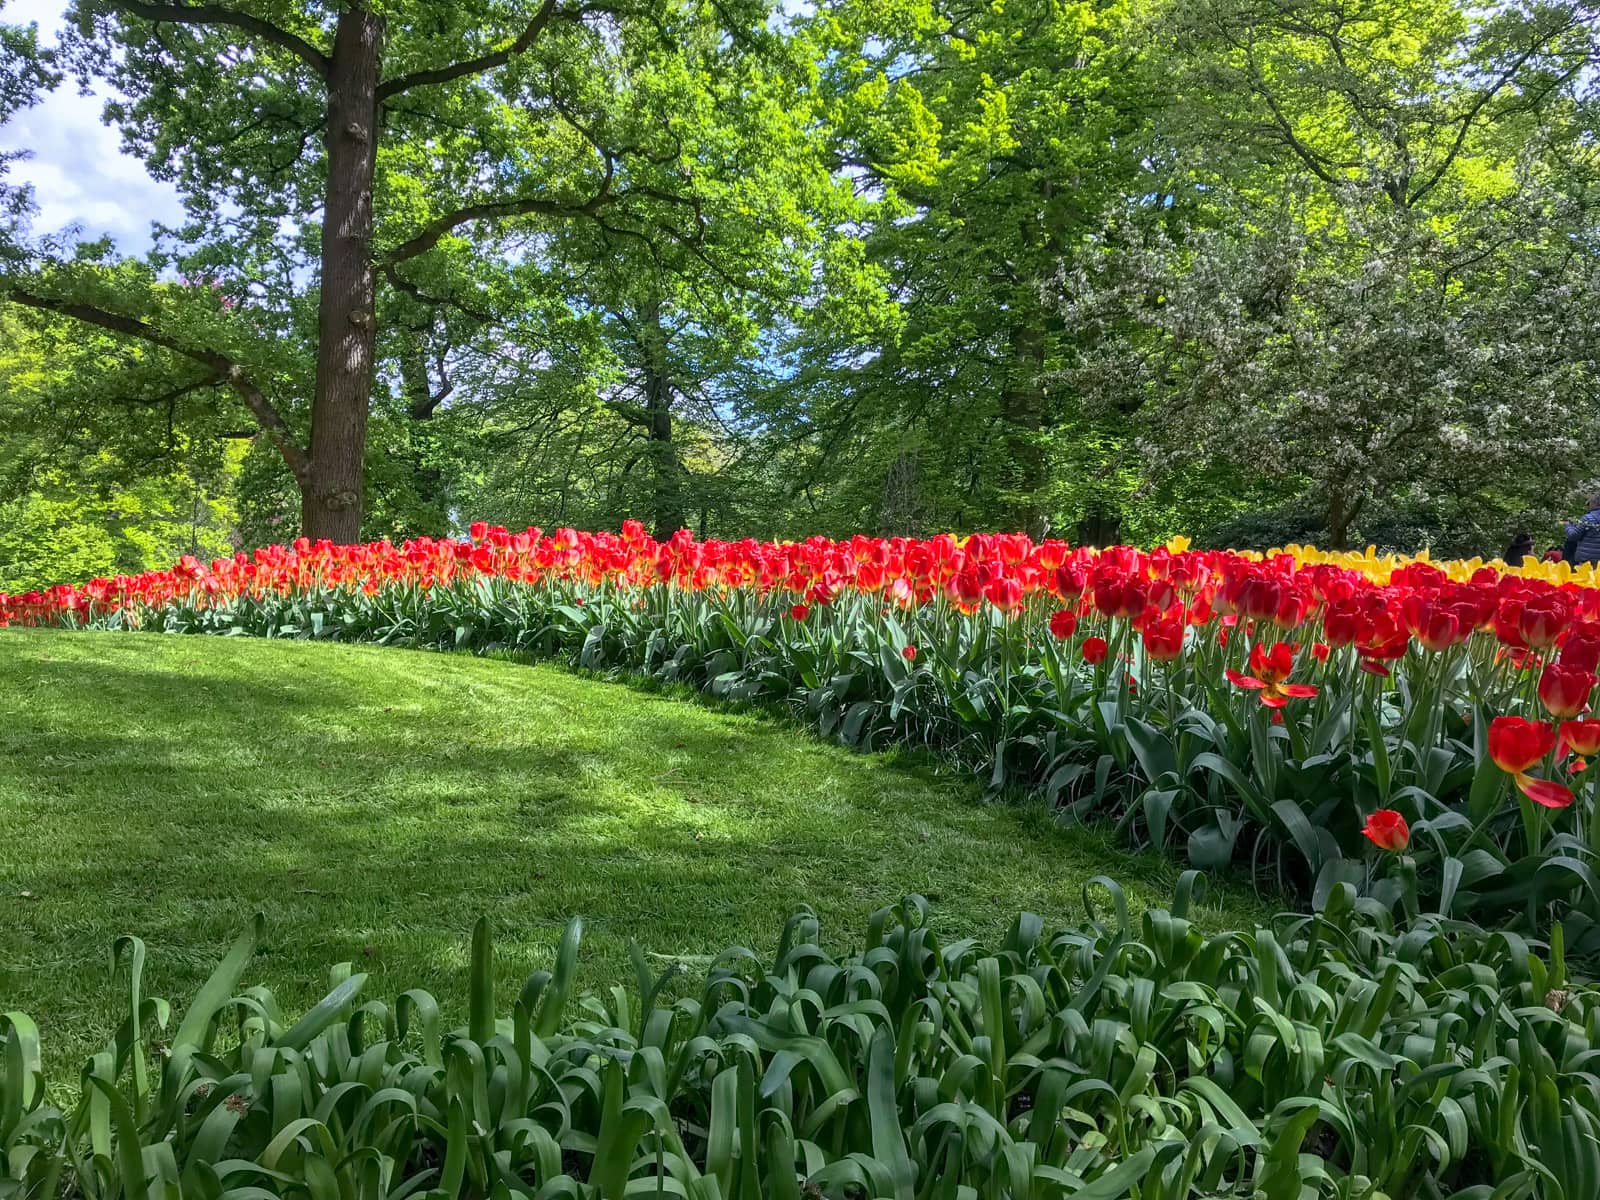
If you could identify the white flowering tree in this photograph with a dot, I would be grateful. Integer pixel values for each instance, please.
(1374, 280)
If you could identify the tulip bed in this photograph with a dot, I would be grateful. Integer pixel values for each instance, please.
(1326, 1056)
(1414, 731)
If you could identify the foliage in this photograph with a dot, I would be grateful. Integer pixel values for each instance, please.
(680, 136)
(68, 500)
(64, 525)
(1155, 690)
(1321, 1056)
(1114, 269)
(990, 141)
(1370, 361)
(1367, 279)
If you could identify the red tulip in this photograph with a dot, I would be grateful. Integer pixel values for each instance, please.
(1163, 639)
(1507, 624)
(1291, 610)
(1515, 744)
(799, 612)
(1063, 624)
(1005, 594)
(909, 653)
(1542, 620)
(1564, 691)
(1387, 830)
(1581, 737)
(1439, 629)
(1581, 651)
(1119, 597)
(1070, 582)
(966, 589)
(1383, 644)
(1342, 623)
(1260, 598)
(1094, 650)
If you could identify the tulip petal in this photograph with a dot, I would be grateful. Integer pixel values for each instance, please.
(1244, 681)
(1298, 690)
(1543, 791)
(1274, 700)
(1373, 668)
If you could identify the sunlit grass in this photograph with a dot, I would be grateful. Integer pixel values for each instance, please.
(372, 802)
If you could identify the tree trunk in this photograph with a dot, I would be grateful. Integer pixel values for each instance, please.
(429, 515)
(1022, 410)
(1338, 521)
(666, 469)
(1099, 526)
(331, 499)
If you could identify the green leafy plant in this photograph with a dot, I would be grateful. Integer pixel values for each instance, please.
(1327, 1055)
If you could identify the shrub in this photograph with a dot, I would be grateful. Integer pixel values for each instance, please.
(1329, 1055)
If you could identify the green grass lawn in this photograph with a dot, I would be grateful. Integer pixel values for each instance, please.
(373, 802)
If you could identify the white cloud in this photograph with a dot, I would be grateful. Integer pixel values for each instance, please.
(78, 171)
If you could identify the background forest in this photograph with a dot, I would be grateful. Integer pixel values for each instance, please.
(1248, 270)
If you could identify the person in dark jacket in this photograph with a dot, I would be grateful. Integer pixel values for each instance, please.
(1583, 536)
(1521, 547)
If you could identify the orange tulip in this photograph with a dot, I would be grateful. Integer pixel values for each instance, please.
(1271, 668)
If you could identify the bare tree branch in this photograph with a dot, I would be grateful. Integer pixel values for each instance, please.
(1468, 118)
(220, 14)
(206, 381)
(431, 233)
(404, 286)
(472, 66)
(226, 370)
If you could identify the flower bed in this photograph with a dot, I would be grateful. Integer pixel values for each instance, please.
(1412, 729)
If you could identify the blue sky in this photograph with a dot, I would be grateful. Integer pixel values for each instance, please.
(78, 171)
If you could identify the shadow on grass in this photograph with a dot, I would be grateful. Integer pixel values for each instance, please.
(373, 804)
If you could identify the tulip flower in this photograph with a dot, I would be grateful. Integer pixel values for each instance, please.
(1163, 639)
(1342, 623)
(1070, 582)
(1271, 668)
(1542, 620)
(1063, 624)
(1581, 737)
(1581, 651)
(799, 612)
(1119, 597)
(1564, 691)
(1095, 650)
(1387, 830)
(1260, 598)
(1435, 628)
(909, 653)
(1005, 594)
(1582, 740)
(1515, 744)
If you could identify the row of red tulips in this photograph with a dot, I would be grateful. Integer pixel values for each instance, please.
(1232, 707)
